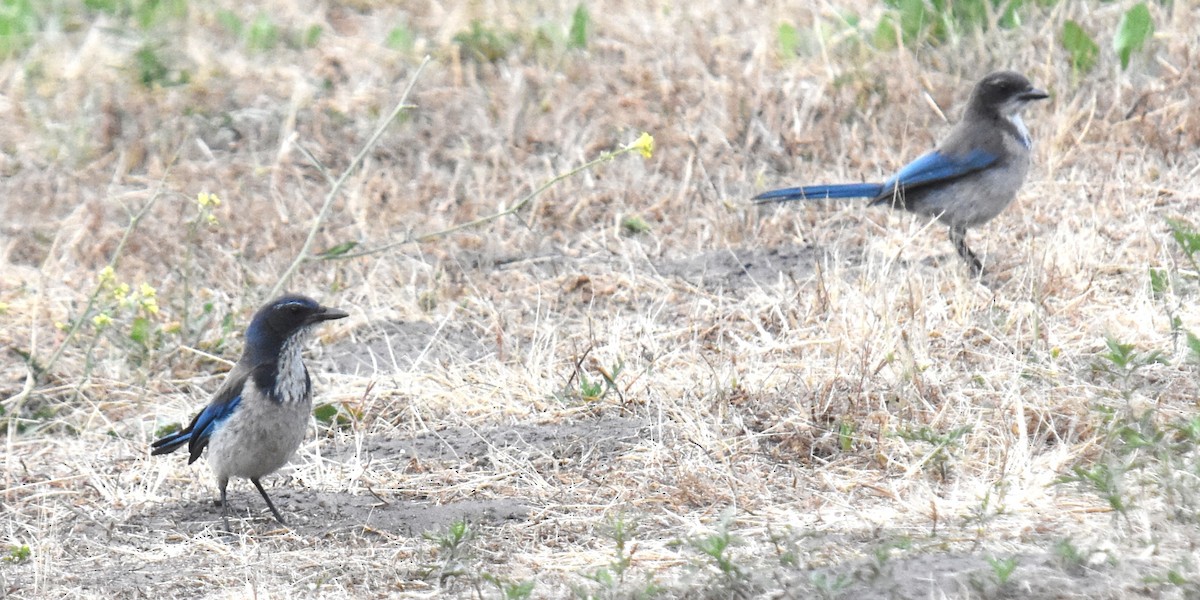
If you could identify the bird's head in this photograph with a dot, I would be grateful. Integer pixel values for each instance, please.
(1004, 93)
(280, 320)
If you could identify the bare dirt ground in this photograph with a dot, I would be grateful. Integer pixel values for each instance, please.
(735, 402)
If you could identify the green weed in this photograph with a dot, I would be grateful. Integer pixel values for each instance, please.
(939, 21)
(18, 24)
(881, 556)
(788, 40)
(1120, 362)
(828, 585)
(401, 39)
(456, 561)
(18, 554)
(337, 415)
(510, 589)
(1188, 239)
(1002, 568)
(612, 580)
(1103, 480)
(146, 14)
(634, 225)
(577, 36)
(943, 444)
(1081, 48)
(485, 44)
(262, 34)
(996, 581)
(1132, 32)
(452, 549)
(152, 68)
(717, 548)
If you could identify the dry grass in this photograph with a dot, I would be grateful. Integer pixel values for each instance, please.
(824, 383)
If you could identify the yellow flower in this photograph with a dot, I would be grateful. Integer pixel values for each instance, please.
(210, 218)
(205, 199)
(121, 291)
(3, 308)
(150, 305)
(147, 290)
(101, 321)
(107, 275)
(644, 144)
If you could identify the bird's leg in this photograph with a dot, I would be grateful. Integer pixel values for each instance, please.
(958, 236)
(224, 483)
(270, 505)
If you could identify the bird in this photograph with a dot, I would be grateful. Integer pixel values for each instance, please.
(970, 177)
(258, 417)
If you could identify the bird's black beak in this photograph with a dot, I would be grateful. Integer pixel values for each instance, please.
(1034, 94)
(326, 314)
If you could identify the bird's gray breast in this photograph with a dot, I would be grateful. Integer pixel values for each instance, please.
(259, 437)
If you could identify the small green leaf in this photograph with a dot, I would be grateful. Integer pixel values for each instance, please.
(1002, 568)
(577, 38)
(1010, 19)
(312, 35)
(338, 250)
(231, 22)
(263, 34)
(1193, 344)
(1185, 235)
(913, 19)
(789, 40)
(150, 67)
(484, 43)
(1158, 281)
(325, 413)
(18, 554)
(1120, 355)
(336, 415)
(1080, 46)
(166, 430)
(885, 36)
(1132, 32)
(401, 38)
(846, 436)
(634, 224)
(140, 331)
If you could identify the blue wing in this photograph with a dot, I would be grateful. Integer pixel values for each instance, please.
(936, 166)
(821, 192)
(206, 423)
(198, 432)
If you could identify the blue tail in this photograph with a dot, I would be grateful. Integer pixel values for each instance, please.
(197, 433)
(820, 192)
(172, 442)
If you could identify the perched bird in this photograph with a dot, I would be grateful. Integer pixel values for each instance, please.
(258, 417)
(972, 176)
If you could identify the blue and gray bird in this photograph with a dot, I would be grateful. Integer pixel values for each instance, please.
(258, 417)
(969, 179)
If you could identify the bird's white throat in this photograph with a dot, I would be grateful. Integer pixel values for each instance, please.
(291, 380)
(1022, 131)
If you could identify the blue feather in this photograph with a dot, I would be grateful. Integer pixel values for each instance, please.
(207, 422)
(821, 192)
(198, 432)
(935, 166)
